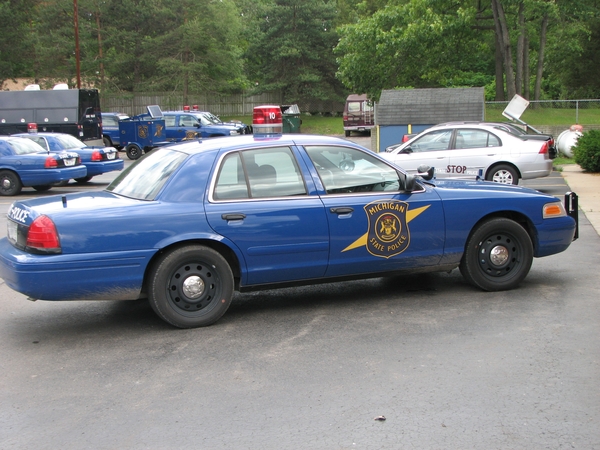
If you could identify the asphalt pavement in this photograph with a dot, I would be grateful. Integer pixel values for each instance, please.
(319, 367)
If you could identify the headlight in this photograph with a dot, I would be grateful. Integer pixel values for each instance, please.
(554, 209)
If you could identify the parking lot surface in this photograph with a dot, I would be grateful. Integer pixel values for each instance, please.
(446, 365)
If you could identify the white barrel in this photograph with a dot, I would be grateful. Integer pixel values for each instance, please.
(566, 140)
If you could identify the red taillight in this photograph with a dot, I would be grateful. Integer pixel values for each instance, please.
(51, 163)
(42, 234)
(405, 138)
(32, 128)
(96, 156)
(544, 149)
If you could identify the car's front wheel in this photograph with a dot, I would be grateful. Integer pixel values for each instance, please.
(10, 183)
(498, 255)
(504, 174)
(191, 286)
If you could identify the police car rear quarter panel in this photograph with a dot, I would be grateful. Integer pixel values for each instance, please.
(466, 203)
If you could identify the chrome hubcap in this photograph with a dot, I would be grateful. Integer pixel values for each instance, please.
(499, 255)
(193, 287)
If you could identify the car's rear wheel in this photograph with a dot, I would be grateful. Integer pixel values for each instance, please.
(107, 141)
(10, 183)
(191, 286)
(83, 180)
(498, 255)
(133, 151)
(503, 174)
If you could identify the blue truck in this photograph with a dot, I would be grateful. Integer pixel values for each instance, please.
(182, 125)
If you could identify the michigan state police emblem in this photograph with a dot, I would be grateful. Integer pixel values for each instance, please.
(388, 230)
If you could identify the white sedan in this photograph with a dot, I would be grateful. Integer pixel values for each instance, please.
(466, 150)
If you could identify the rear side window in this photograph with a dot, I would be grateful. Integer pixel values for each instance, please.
(259, 173)
(475, 139)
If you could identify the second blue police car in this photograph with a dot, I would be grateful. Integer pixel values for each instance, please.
(24, 163)
(97, 160)
(199, 220)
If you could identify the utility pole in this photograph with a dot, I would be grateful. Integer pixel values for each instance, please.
(76, 21)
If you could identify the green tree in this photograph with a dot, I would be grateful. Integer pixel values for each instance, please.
(16, 58)
(202, 53)
(574, 51)
(291, 50)
(422, 43)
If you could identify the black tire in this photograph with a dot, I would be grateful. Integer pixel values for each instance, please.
(190, 287)
(347, 133)
(10, 183)
(133, 151)
(44, 188)
(83, 180)
(498, 255)
(107, 141)
(503, 174)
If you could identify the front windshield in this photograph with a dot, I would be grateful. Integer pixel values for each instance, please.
(204, 119)
(24, 146)
(145, 178)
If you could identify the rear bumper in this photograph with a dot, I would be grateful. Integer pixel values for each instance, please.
(100, 167)
(44, 177)
(536, 170)
(87, 276)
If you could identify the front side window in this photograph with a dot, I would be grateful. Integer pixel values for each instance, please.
(345, 170)
(187, 121)
(433, 141)
(259, 173)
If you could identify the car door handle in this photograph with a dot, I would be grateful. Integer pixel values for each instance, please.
(233, 216)
(342, 210)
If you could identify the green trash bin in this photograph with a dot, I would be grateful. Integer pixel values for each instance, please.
(290, 115)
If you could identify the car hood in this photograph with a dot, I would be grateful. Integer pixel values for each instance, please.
(490, 188)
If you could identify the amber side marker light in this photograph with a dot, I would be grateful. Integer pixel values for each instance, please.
(554, 210)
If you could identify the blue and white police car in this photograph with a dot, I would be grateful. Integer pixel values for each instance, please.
(200, 220)
(25, 163)
(97, 160)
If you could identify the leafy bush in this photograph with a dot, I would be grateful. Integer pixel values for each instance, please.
(587, 151)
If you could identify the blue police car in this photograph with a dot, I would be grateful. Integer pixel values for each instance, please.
(25, 163)
(201, 219)
(97, 160)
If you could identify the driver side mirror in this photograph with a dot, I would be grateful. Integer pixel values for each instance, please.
(409, 183)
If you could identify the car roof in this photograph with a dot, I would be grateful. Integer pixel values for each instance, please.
(253, 140)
